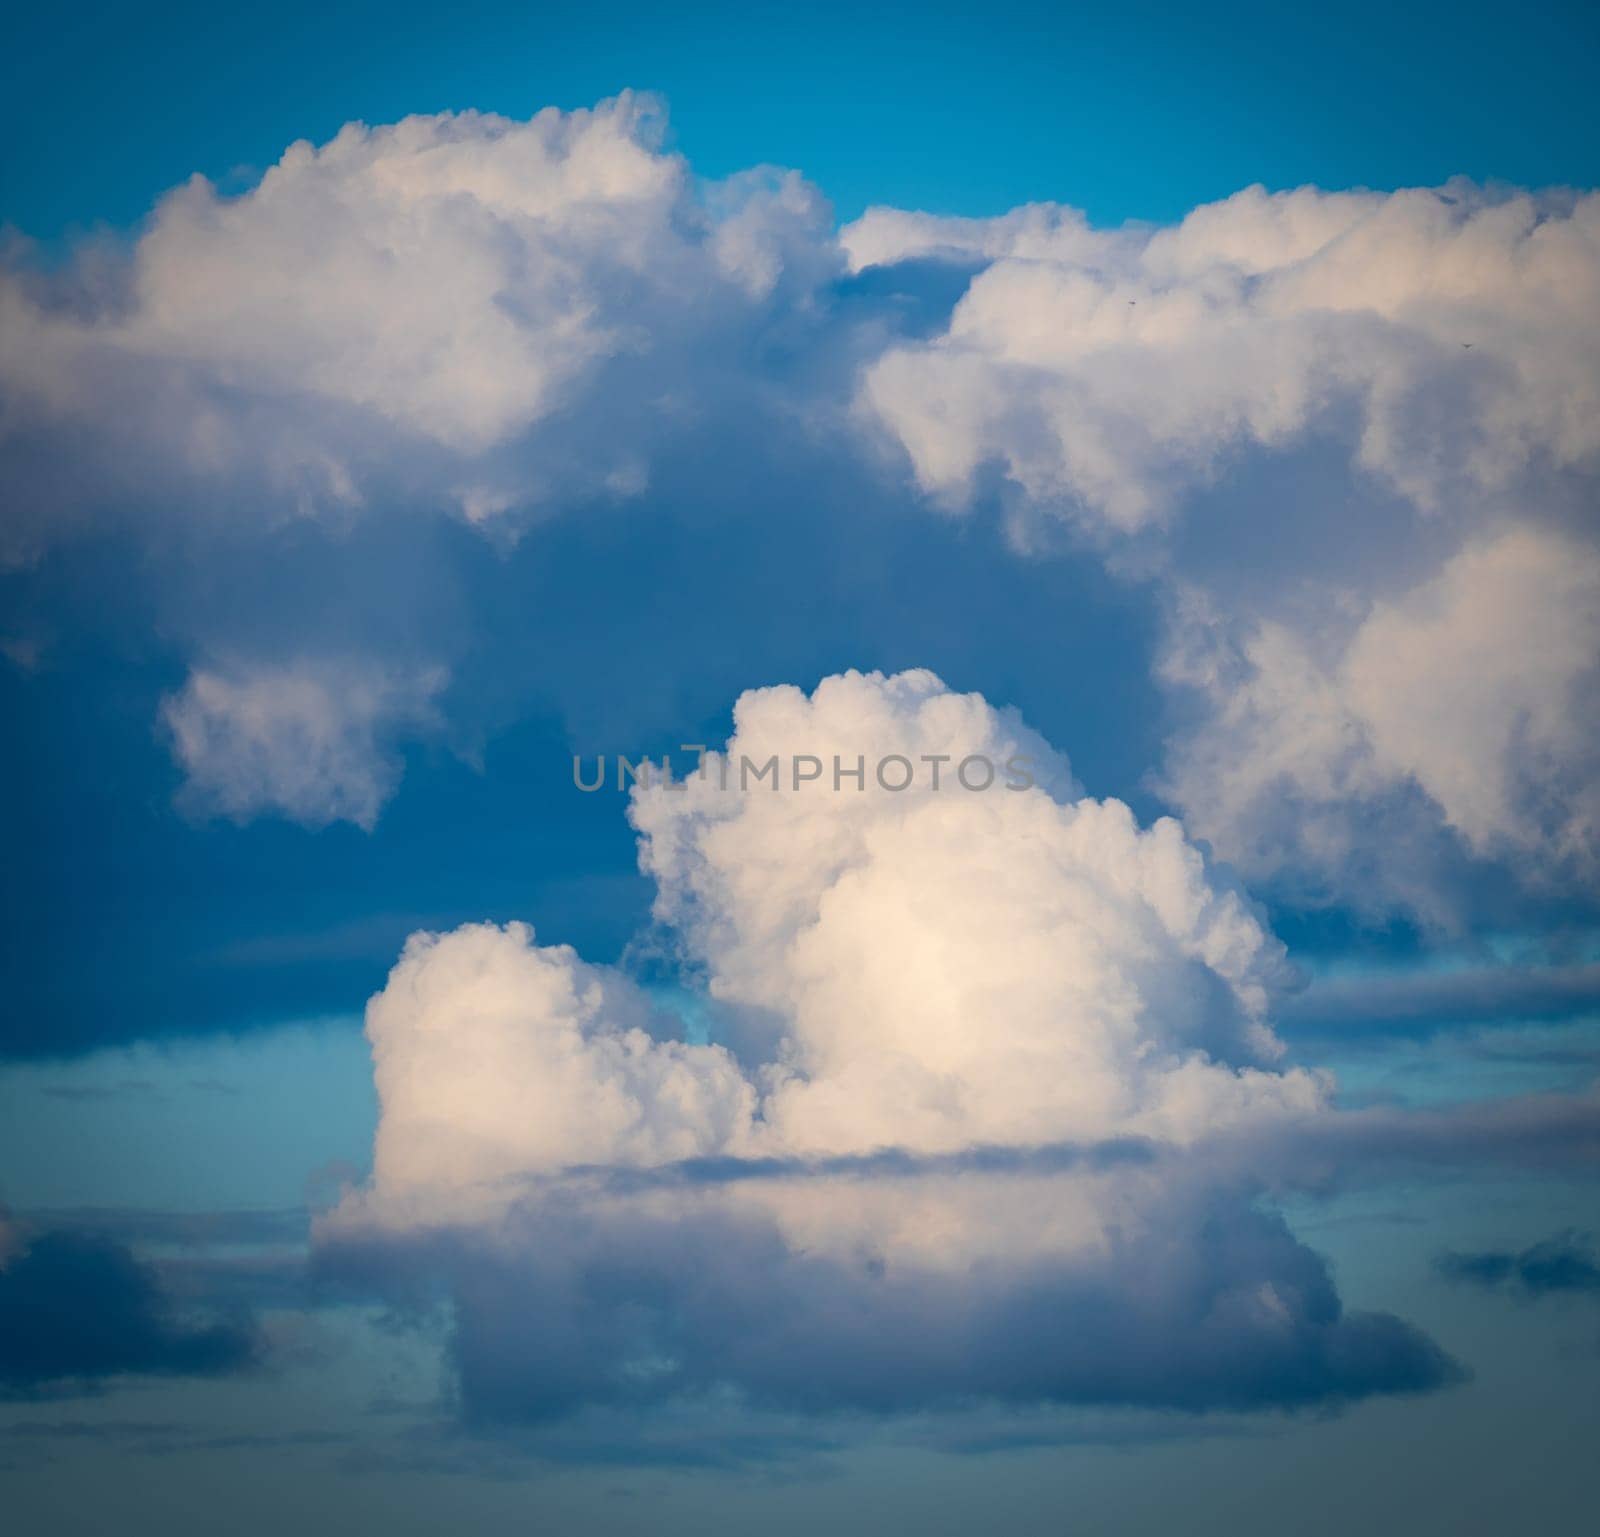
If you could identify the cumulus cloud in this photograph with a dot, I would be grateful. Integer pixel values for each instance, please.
(1349, 435)
(913, 992)
(458, 317)
(395, 314)
(927, 909)
(314, 742)
(1108, 372)
(562, 1068)
(1473, 690)
(1379, 413)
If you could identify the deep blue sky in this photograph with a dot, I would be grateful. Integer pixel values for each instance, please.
(1132, 111)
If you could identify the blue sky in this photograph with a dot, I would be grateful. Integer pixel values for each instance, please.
(1166, 1144)
(1134, 112)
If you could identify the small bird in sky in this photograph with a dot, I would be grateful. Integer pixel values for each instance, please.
(1467, 345)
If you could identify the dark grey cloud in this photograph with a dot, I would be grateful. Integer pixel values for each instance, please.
(232, 1263)
(77, 1309)
(1389, 1144)
(1566, 1263)
(1423, 1003)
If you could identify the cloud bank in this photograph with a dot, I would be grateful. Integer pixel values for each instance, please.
(1349, 440)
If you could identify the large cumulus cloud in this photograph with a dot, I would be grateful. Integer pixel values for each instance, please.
(1108, 371)
(1362, 755)
(1354, 437)
(458, 317)
(941, 1135)
(382, 315)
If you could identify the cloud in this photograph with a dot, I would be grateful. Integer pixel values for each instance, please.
(1563, 1264)
(812, 908)
(460, 311)
(313, 742)
(1423, 1002)
(1319, 1154)
(1346, 435)
(460, 319)
(923, 1161)
(1108, 371)
(1350, 436)
(562, 1067)
(76, 1309)
(1215, 1306)
(1464, 697)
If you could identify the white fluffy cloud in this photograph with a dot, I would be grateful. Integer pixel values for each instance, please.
(1394, 645)
(1485, 675)
(314, 742)
(941, 975)
(493, 240)
(1475, 689)
(880, 926)
(1108, 373)
(432, 291)
(497, 1059)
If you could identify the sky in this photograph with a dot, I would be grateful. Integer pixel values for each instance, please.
(1179, 429)
(1138, 111)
